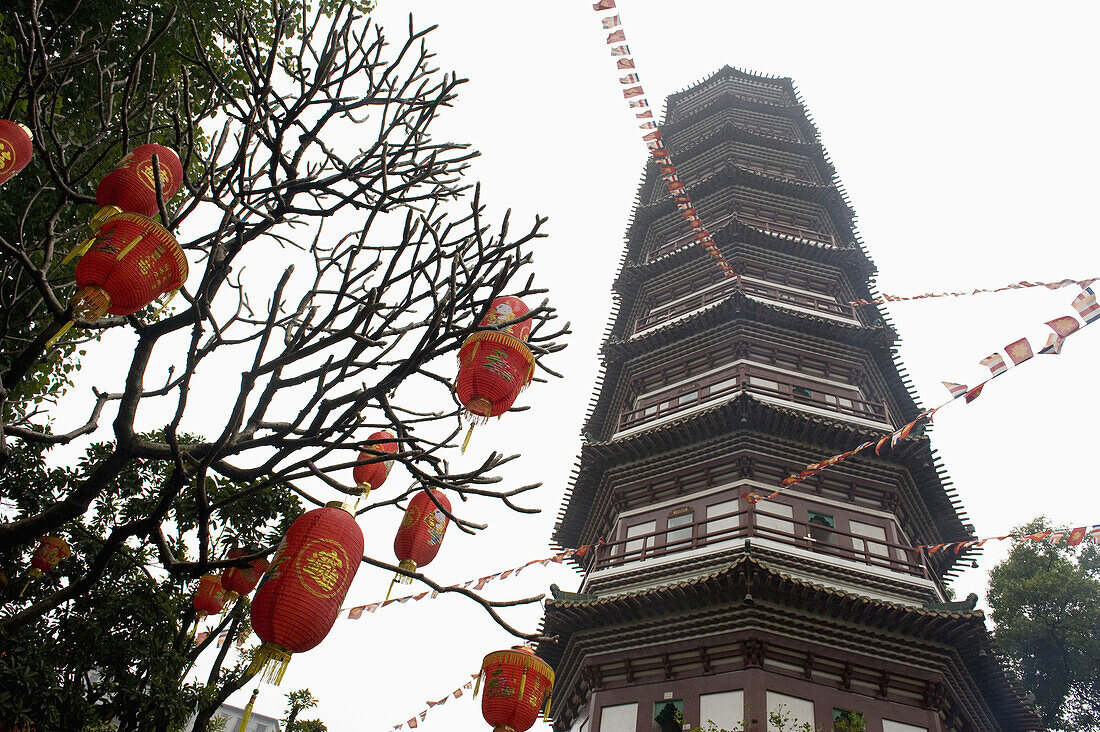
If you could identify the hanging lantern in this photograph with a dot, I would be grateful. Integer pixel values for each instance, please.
(300, 595)
(242, 580)
(50, 551)
(373, 475)
(421, 531)
(506, 308)
(16, 149)
(210, 597)
(131, 261)
(131, 186)
(493, 368)
(517, 686)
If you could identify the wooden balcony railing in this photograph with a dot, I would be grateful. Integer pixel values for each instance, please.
(747, 524)
(769, 292)
(756, 222)
(755, 380)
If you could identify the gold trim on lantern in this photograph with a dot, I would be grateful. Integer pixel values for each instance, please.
(338, 504)
(102, 216)
(408, 565)
(520, 659)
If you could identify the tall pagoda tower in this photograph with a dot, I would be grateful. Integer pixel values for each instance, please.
(699, 605)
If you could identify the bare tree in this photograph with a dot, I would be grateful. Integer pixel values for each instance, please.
(332, 283)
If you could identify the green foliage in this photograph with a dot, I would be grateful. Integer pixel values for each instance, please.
(1045, 600)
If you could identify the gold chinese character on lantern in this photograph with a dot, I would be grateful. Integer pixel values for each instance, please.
(324, 567)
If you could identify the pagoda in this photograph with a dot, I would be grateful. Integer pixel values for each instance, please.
(698, 605)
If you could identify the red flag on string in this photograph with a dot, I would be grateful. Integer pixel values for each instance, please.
(634, 91)
(356, 612)
(880, 443)
(1077, 535)
(624, 63)
(648, 114)
(616, 37)
(604, 5)
(1019, 351)
(656, 135)
(1064, 325)
(412, 723)
(974, 393)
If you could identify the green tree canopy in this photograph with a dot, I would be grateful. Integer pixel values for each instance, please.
(1045, 601)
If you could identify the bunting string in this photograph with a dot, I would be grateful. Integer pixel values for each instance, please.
(1073, 537)
(1019, 351)
(634, 94)
(354, 613)
(458, 693)
(1014, 286)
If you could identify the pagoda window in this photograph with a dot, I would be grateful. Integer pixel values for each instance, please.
(619, 718)
(723, 520)
(845, 720)
(793, 712)
(821, 527)
(889, 725)
(773, 517)
(681, 529)
(639, 542)
(725, 709)
(865, 540)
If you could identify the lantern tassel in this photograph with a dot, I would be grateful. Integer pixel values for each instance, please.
(392, 583)
(126, 249)
(61, 331)
(469, 434)
(79, 250)
(522, 683)
(477, 685)
(160, 310)
(546, 709)
(247, 714)
(270, 661)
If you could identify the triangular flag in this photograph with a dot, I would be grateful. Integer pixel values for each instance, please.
(604, 5)
(625, 63)
(878, 446)
(458, 693)
(356, 612)
(957, 390)
(616, 37)
(412, 723)
(645, 115)
(634, 91)
(974, 393)
(1019, 351)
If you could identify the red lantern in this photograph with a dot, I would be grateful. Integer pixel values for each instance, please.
(210, 597)
(374, 475)
(508, 308)
(242, 580)
(16, 149)
(421, 531)
(50, 551)
(300, 595)
(517, 685)
(492, 370)
(131, 186)
(132, 260)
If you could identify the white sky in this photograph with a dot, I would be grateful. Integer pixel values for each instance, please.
(961, 132)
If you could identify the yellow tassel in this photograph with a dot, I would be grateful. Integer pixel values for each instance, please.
(392, 583)
(477, 685)
(80, 249)
(131, 245)
(469, 434)
(546, 709)
(522, 683)
(62, 331)
(271, 661)
(248, 711)
(160, 310)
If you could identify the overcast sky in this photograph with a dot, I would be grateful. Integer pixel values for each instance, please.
(963, 134)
